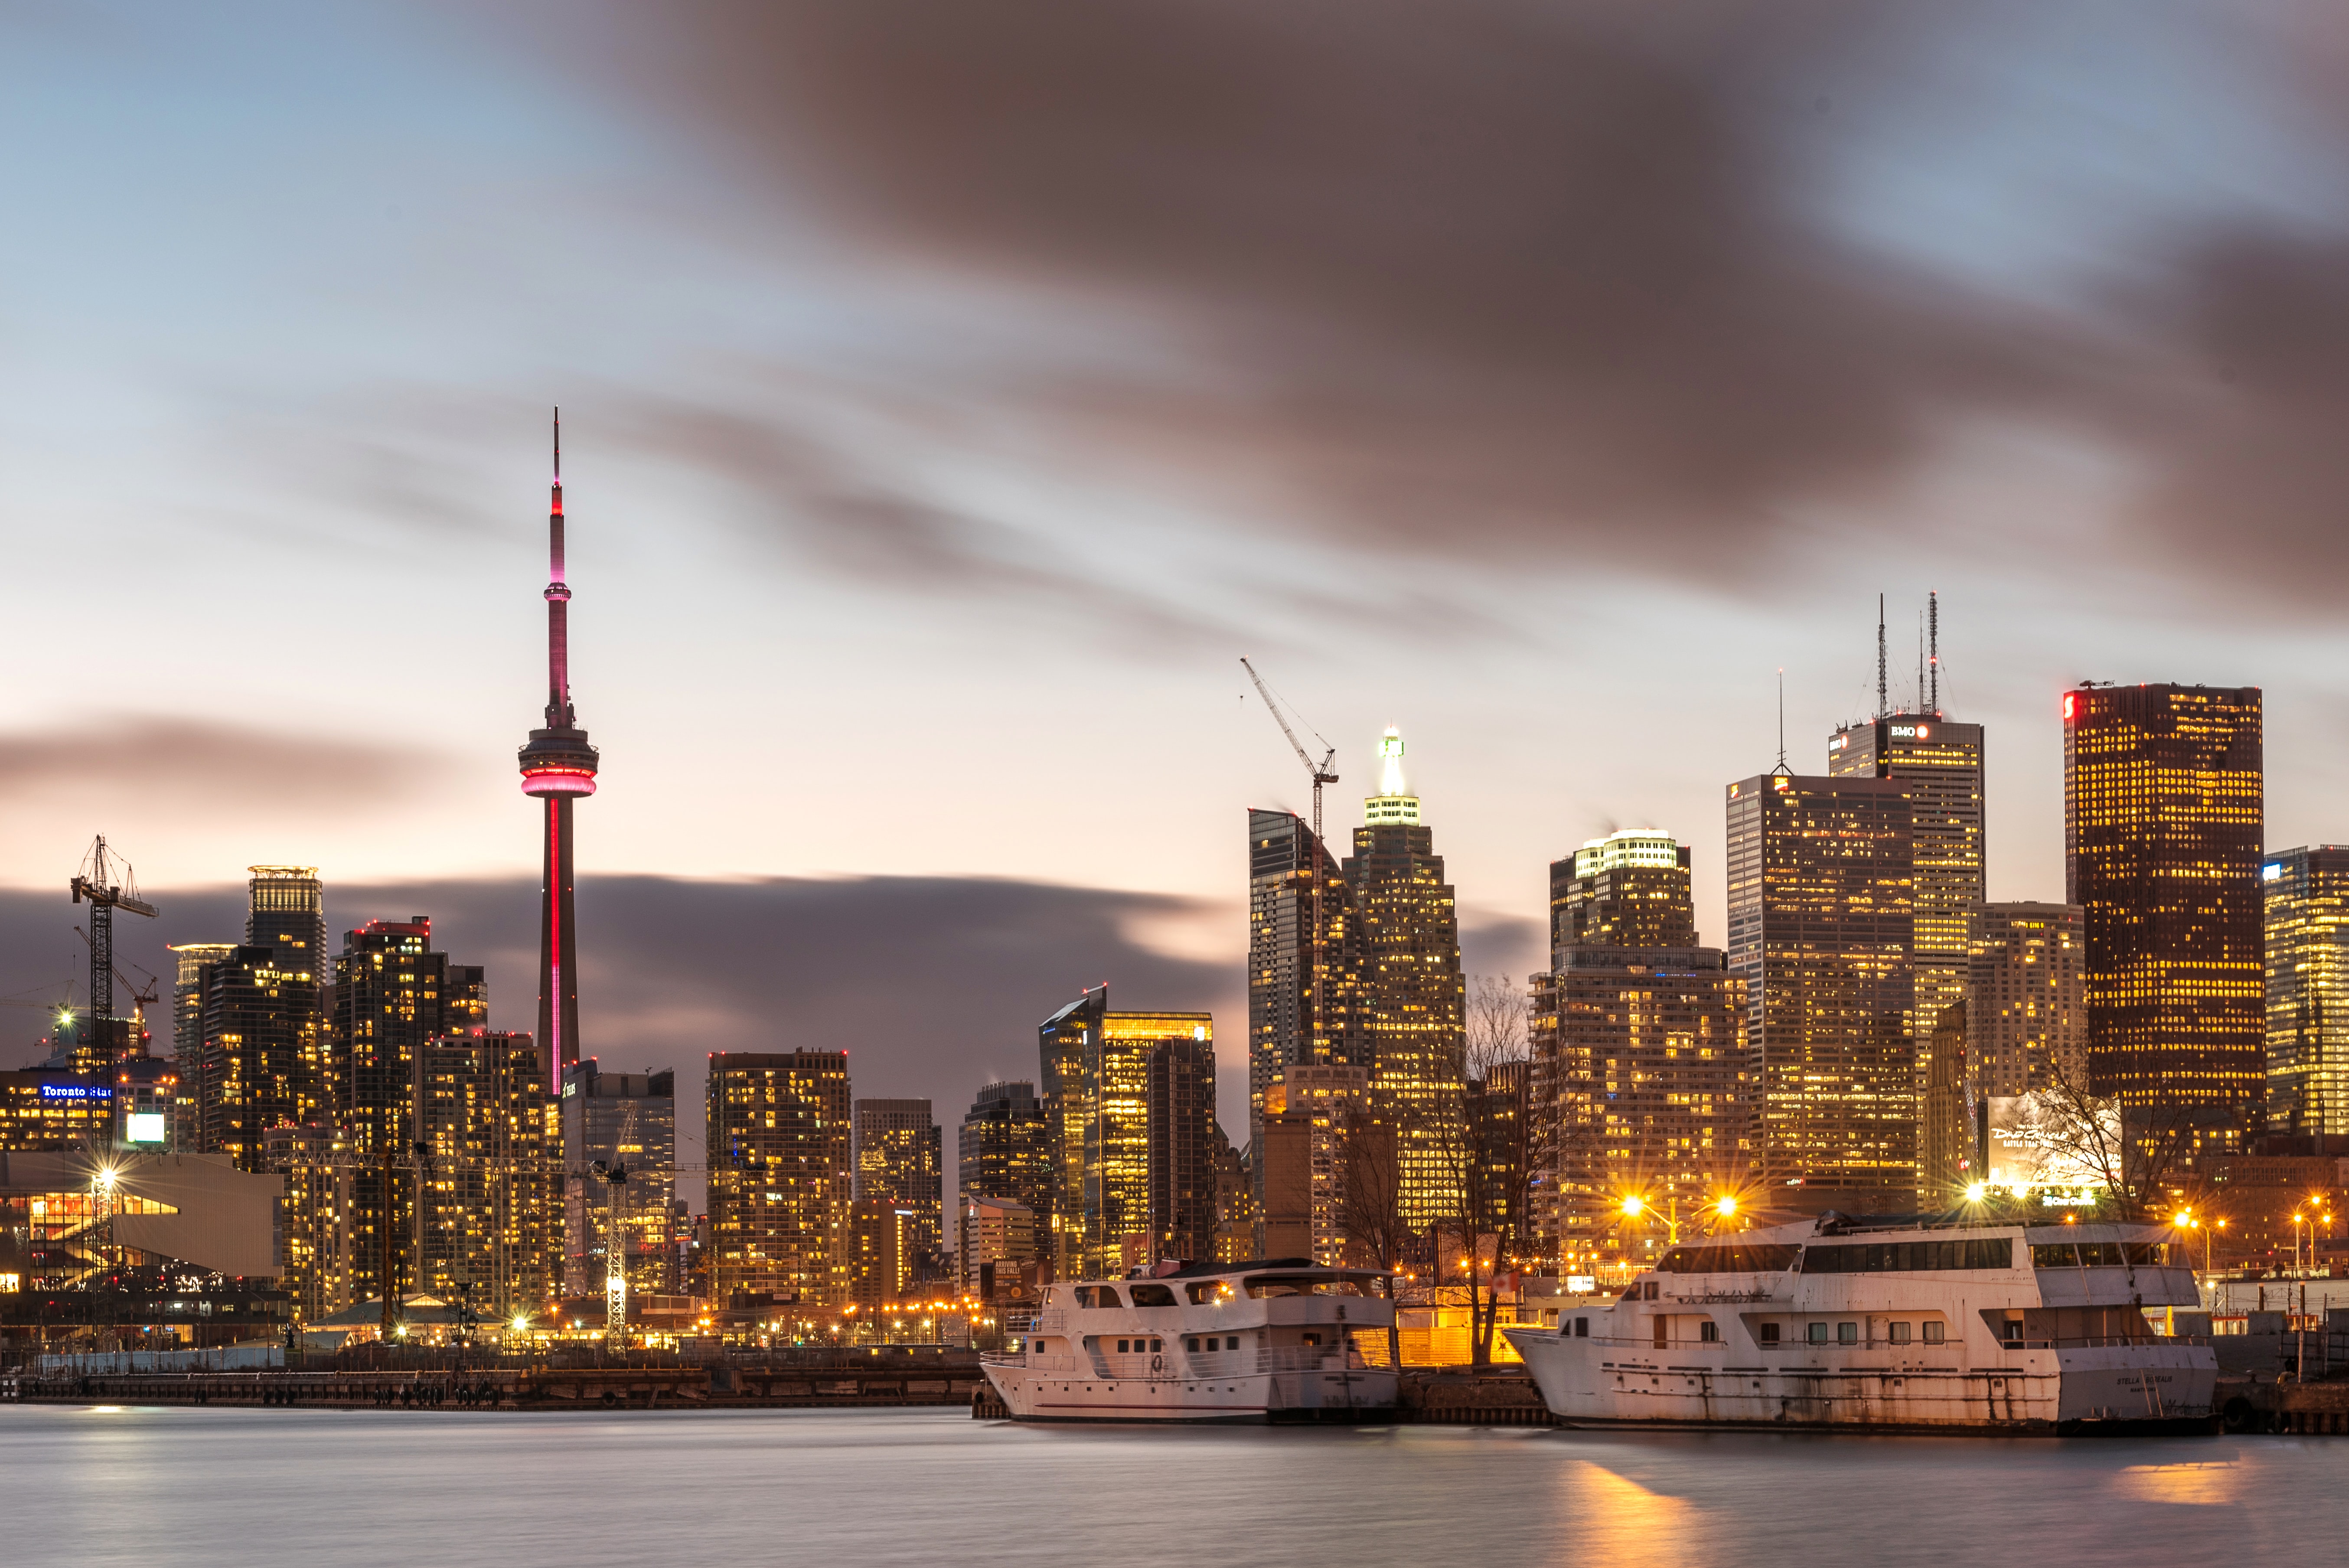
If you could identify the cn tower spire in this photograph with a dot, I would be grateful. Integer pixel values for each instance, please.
(558, 766)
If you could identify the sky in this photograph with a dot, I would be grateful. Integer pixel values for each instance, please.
(953, 390)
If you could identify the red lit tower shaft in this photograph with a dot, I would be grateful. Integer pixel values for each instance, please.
(558, 766)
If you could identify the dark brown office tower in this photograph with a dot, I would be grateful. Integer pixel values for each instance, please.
(1181, 1095)
(1626, 890)
(2162, 826)
(1302, 1006)
(1820, 927)
(1005, 1150)
(1945, 1131)
(392, 993)
(1940, 764)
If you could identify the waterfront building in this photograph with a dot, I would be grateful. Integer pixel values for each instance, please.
(1948, 1128)
(1819, 929)
(1311, 1116)
(489, 1212)
(2305, 895)
(1940, 763)
(259, 1011)
(1004, 1150)
(781, 1175)
(1643, 1078)
(1179, 1098)
(901, 1157)
(45, 1108)
(1235, 1207)
(1096, 1074)
(1411, 997)
(994, 1238)
(2026, 1027)
(1629, 889)
(2162, 822)
(317, 1177)
(392, 993)
(1304, 959)
(626, 1121)
(881, 1241)
(188, 1031)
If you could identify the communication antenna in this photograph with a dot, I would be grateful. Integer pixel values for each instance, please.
(1879, 656)
(1933, 638)
(1781, 766)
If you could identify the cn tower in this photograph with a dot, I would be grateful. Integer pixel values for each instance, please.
(558, 766)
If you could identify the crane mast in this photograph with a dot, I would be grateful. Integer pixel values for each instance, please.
(1321, 773)
(104, 883)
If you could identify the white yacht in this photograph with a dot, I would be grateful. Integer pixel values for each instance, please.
(1851, 1323)
(1205, 1342)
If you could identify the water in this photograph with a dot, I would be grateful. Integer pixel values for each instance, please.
(262, 1489)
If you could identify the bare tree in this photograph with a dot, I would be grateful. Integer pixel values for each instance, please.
(2073, 1134)
(1481, 1138)
(1376, 1234)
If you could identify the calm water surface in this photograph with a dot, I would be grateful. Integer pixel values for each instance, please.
(268, 1488)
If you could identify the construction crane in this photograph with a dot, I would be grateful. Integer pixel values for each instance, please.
(105, 883)
(614, 1174)
(1321, 773)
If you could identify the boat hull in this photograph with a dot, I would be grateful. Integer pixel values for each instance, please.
(1334, 1395)
(1590, 1382)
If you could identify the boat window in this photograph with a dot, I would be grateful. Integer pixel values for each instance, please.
(1652, 1289)
(1582, 1328)
(2053, 1256)
(2100, 1254)
(1098, 1295)
(1154, 1295)
(1192, 1344)
(1231, 1342)
(1816, 1334)
(1157, 1345)
(1933, 1333)
(1708, 1331)
(1305, 1285)
(1122, 1347)
(1910, 1257)
(1769, 1334)
(2145, 1255)
(1729, 1258)
(2012, 1329)
(1309, 1338)
(1847, 1334)
(1207, 1291)
(1898, 1332)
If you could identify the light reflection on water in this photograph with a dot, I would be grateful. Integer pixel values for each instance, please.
(273, 1489)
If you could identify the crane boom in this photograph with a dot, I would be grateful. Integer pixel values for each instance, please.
(1321, 773)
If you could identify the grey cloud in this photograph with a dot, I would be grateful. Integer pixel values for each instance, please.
(1494, 279)
(221, 766)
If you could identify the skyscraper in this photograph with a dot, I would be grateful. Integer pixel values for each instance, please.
(782, 1172)
(627, 1121)
(901, 1157)
(2307, 922)
(489, 1211)
(1096, 1068)
(1304, 961)
(2162, 826)
(558, 766)
(1412, 998)
(187, 1030)
(1310, 1116)
(1820, 892)
(1629, 889)
(1004, 1150)
(2025, 1025)
(393, 993)
(1644, 1077)
(1180, 1096)
(261, 1011)
(1941, 765)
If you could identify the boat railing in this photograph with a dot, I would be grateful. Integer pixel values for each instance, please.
(1051, 1320)
(1302, 1358)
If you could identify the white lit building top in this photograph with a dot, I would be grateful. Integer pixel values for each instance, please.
(1629, 847)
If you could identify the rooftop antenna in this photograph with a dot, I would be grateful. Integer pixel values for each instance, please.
(1920, 664)
(1879, 656)
(1781, 766)
(1933, 638)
